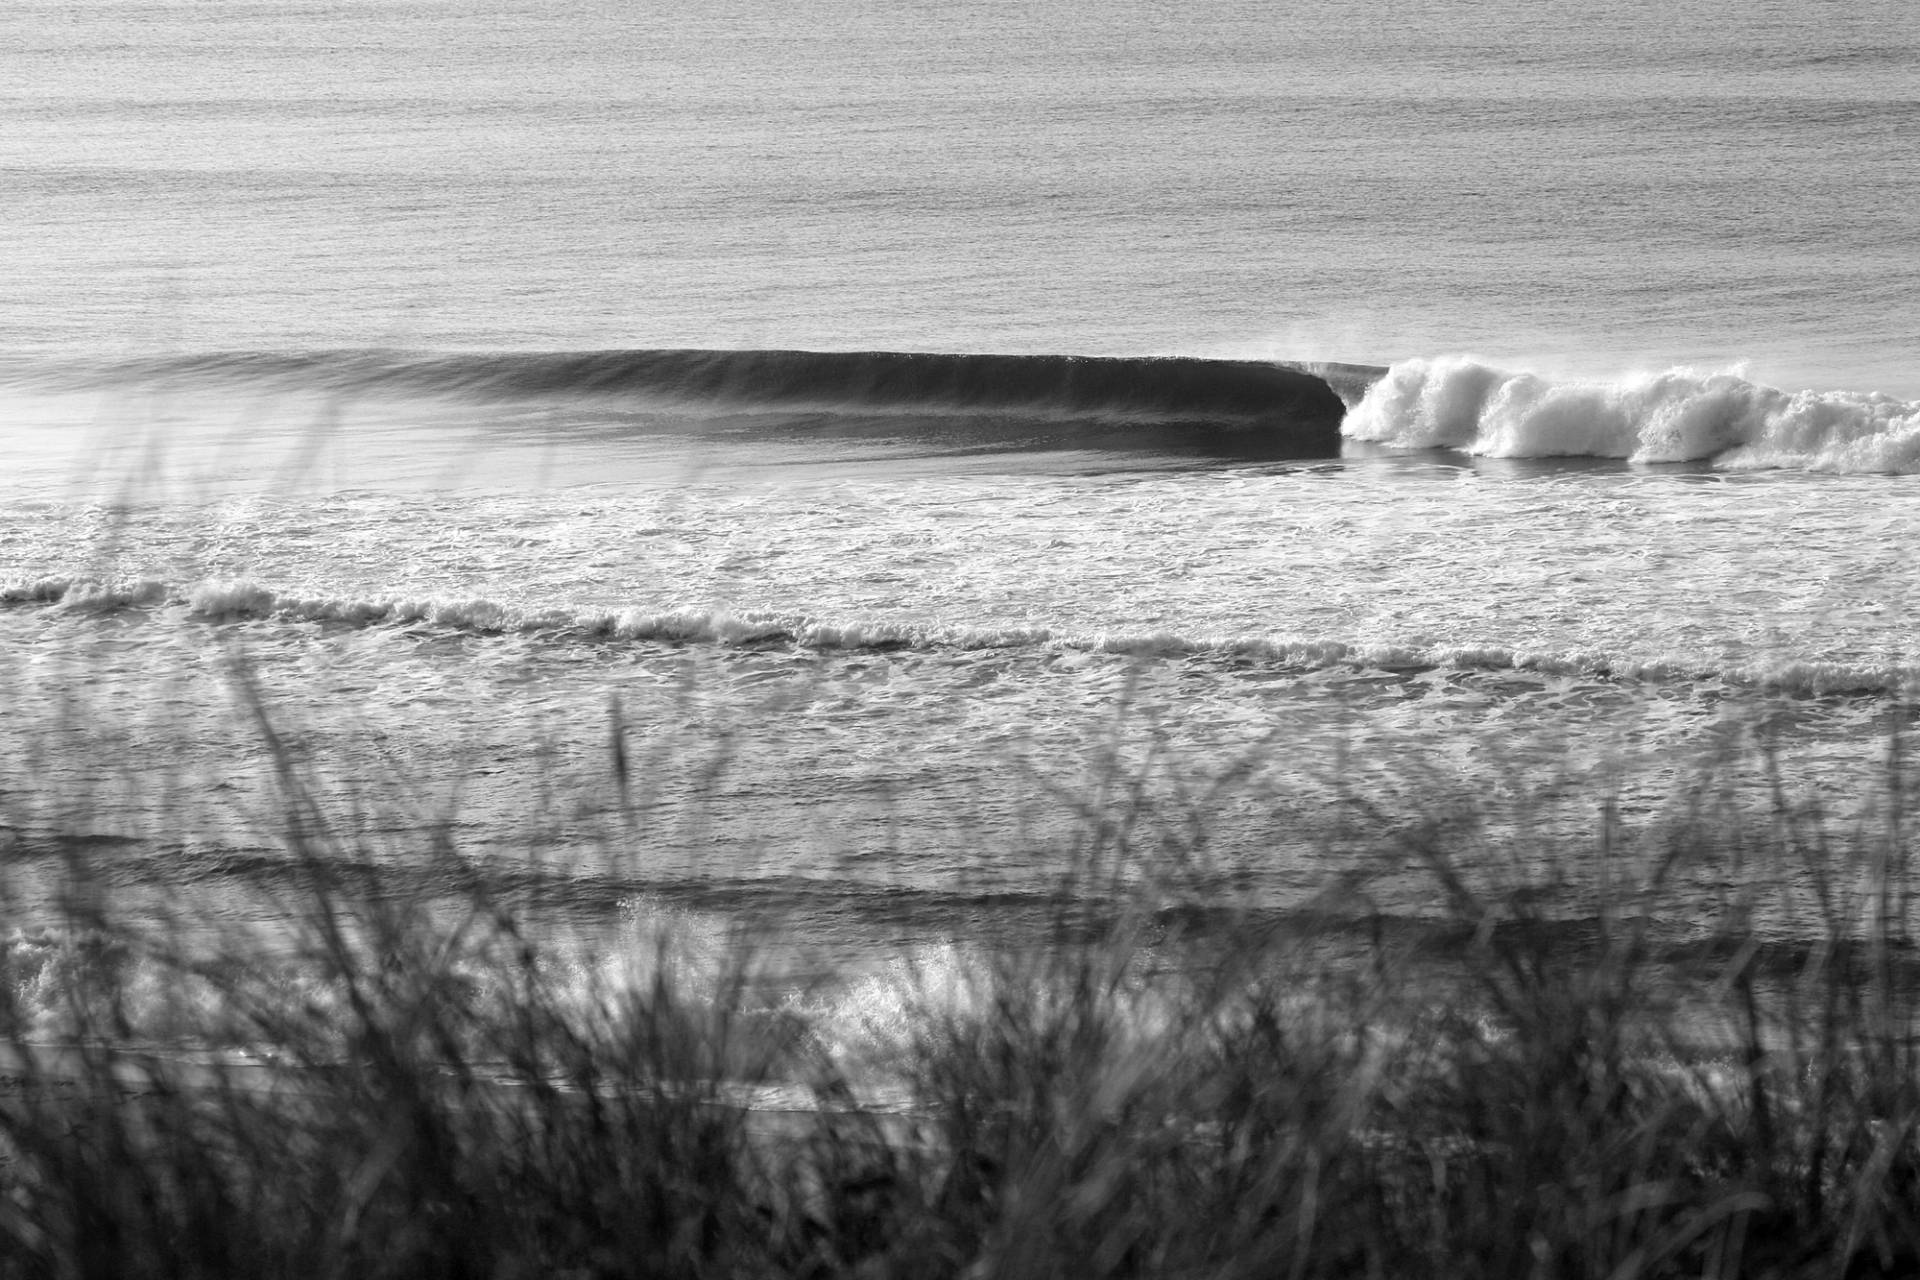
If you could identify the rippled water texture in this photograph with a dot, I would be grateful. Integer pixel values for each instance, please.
(864, 659)
(1590, 187)
(858, 680)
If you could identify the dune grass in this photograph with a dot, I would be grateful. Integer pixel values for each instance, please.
(1172, 1084)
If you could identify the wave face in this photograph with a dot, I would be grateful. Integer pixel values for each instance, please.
(1240, 408)
(1457, 402)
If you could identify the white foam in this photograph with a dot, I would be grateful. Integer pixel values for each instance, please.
(1682, 415)
(238, 599)
(235, 599)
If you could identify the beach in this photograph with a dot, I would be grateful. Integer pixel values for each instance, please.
(584, 554)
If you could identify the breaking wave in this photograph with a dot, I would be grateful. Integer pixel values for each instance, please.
(1457, 402)
(234, 601)
(1284, 410)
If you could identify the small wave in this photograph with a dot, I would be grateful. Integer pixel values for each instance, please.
(225, 601)
(1457, 402)
(85, 595)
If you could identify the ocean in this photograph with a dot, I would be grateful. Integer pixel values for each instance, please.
(851, 463)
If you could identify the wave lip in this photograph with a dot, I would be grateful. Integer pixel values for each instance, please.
(1682, 415)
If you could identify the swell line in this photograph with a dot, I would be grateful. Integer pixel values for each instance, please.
(1304, 402)
(1241, 409)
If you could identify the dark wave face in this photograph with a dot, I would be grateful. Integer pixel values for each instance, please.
(1239, 409)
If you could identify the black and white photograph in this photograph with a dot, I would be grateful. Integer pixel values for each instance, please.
(1008, 639)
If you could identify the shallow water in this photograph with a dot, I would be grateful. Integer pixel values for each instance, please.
(925, 678)
(885, 656)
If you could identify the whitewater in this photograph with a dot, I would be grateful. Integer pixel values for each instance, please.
(888, 439)
(875, 651)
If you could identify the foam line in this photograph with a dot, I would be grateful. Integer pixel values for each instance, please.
(216, 602)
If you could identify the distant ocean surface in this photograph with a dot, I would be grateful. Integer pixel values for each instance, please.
(909, 432)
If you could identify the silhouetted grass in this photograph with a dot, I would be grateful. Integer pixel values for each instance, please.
(1193, 1088)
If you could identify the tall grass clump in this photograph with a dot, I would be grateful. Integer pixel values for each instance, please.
(1168, 1082)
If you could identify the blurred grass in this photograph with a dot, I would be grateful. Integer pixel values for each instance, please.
(1168, 1083)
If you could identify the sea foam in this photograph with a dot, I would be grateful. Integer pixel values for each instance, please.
(1682, 415)
(225, 601)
